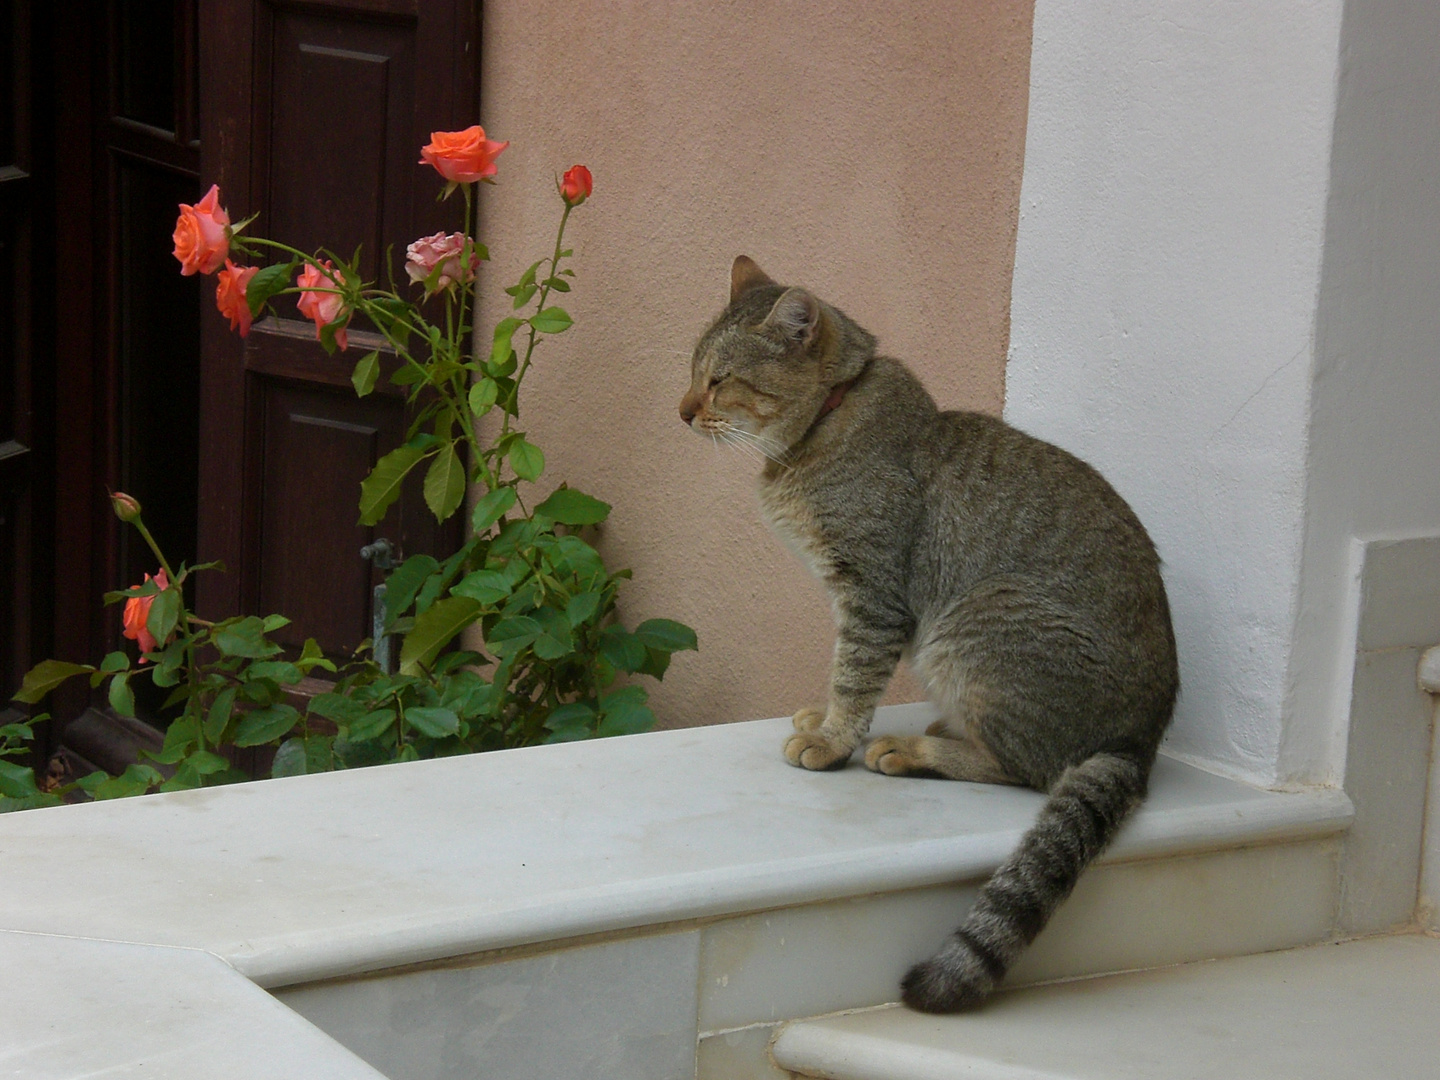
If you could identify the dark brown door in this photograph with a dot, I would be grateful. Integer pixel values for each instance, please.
(313, 116)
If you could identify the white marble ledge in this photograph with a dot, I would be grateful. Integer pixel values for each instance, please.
(99, 1008)
(300, 879)
(1363, 1008)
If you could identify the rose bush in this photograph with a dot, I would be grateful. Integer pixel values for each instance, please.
(513, 639)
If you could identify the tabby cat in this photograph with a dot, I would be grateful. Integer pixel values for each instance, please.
(1020, 587)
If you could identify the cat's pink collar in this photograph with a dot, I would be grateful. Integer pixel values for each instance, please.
(837, 395)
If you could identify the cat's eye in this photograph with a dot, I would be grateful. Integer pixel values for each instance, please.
(716, 380)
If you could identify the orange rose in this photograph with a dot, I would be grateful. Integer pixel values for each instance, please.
(462, 157)
(324, 307)
(575, 187)
(202, 238)
(137, 611)
(230, 295)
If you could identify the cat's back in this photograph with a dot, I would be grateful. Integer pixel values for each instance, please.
(998, 500)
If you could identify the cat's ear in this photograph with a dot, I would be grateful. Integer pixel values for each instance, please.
(745, 275)
(797, 315)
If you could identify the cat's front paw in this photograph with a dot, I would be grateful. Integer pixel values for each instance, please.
(895, 755)
(814, 753)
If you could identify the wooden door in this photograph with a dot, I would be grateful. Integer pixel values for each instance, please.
(313, 116)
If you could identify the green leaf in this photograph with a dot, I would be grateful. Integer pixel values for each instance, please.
(122, 698)
(488, 587)
(382, 486)
(656, 664)
(559, 284)
(206, 763)
(268, 281)
(115, 661)
(527, 460)
(17, 781)
(491, 508)
(436, 723)
(47, 675)
(337, 707)
(625, 713)
(245, 638)
(551, 320)
(218, 717)
(434, 630)
(135, 780)
(265, 725)
(511, 635)
(275, 622)
(282, 671)
(555, 639)
(666, 635)
(563, 715)
(571, 507)
(622, 648)
(570, 722)
(367, 370)
(164, 614)
(405, 582)
(483, 394)
(369, 725)
(581, 607)
(445, 483)
(505, 329)
(290, 759)
(523, 295)
(311, 657)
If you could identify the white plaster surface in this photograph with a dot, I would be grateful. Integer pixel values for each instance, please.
(1387, 766)
(306, 878)
(104, 1009)
(1330, 1012)
(1374, 447)
(821, 958)
(621, 1010)
(1167, 266)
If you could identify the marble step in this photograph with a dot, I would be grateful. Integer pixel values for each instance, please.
(1363, 1008)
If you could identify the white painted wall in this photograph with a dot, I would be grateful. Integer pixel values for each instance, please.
(1167, 269)
(1374, 453)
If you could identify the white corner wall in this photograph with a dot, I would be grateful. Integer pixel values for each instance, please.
(1168, 261)
(1374, 452)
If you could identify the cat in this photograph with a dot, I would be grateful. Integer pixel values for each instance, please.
(1021, 588)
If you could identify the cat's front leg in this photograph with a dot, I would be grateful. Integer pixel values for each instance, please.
(866, 652)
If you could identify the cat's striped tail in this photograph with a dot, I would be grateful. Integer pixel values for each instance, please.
(1084, 811)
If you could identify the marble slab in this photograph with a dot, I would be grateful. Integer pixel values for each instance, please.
(100, 1008)
(300, 879)
(1364, 1008)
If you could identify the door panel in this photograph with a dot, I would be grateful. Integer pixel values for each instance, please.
(341, 98)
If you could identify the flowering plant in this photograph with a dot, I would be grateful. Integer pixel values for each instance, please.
(534, 596)
(228, 678)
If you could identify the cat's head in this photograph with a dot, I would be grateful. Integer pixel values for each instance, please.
(763, 371)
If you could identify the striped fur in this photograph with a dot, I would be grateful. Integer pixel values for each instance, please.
(1023, 590)
(1085, 808)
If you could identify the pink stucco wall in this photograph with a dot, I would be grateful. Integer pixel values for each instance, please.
(869, 150)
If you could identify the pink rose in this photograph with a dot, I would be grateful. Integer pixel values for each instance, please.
(462, 157)
(201, 235)
(324, 307)
(230, 286)
(424, 255)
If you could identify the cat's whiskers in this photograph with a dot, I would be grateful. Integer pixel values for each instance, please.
(765, 447)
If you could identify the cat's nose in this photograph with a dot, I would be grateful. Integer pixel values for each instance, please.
(688, 409)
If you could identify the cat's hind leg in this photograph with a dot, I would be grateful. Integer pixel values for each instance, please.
(951, 757)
